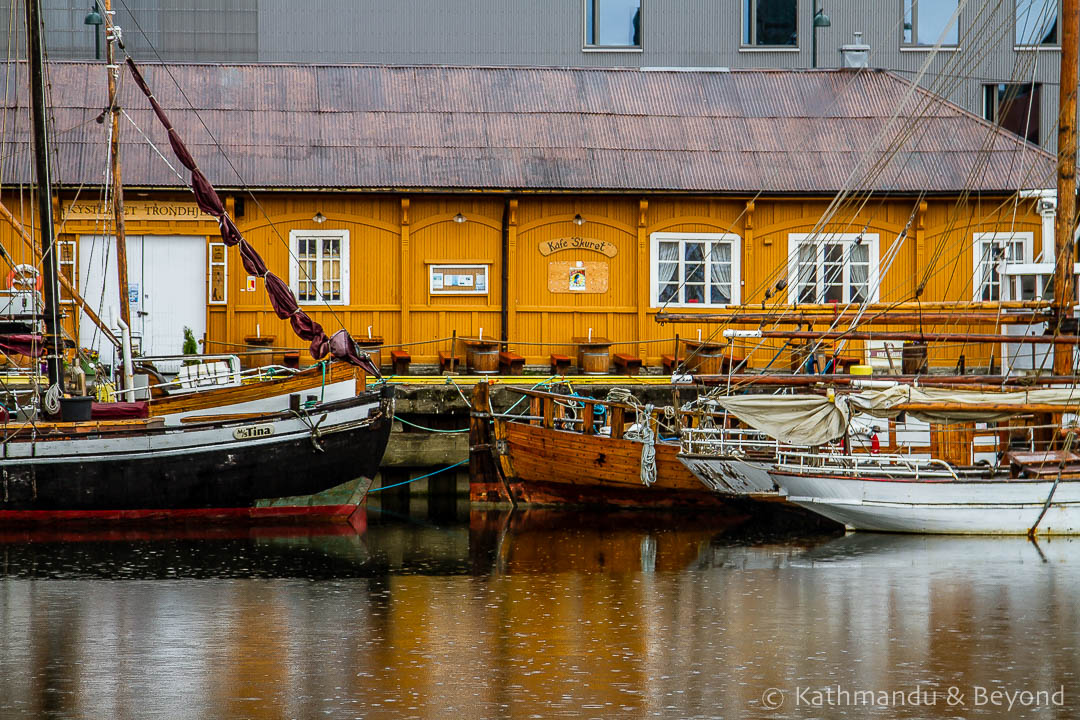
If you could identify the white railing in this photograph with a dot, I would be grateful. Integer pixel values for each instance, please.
(858, 464)
(726, 441)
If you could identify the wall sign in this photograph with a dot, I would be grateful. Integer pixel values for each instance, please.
(458, 279)
(547, 247)
(578, 277)
(138, 210)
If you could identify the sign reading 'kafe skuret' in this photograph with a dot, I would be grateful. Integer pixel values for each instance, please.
(547, 247)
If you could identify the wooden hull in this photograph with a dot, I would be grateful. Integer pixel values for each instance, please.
(215, 469)
(990, 507)
(549, 467)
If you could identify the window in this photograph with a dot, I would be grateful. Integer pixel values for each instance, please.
(992, 251)
(695, 269)
(1014, 107)
(770, 23)
(840, 268)
(1037, 22)
(927, 21)
(218, 274)
(613, 23)
(66, 266)
(319, 266)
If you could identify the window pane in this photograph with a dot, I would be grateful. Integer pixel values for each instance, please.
(833, 272)
(1036, 22)
(694, 293)
(668, 292)
(669, 251)
(859, 273)
(720, 273)
(775, 22)
(613, 23)
(694, 267)
(929, 19)
(1015, 107)
(807, 273)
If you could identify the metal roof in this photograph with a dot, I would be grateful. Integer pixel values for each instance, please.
(555, 129)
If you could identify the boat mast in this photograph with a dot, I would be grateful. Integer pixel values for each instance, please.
(1065, 222)
(112, 69)
(53, 355)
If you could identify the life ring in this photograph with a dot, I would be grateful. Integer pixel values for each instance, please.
(20, 273)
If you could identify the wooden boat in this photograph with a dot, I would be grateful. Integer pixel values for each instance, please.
(221, 468)
(230, 455)
(554, 459)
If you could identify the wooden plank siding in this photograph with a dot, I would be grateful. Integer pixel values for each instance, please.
(395, 236)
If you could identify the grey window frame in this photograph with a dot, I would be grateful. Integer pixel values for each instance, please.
(914, 42)
(748, 26)
(1016, 28)
(588, 5)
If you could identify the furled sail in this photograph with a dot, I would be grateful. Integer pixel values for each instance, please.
(938, 405)
(817, 419)
(794, 419)
(341, 344)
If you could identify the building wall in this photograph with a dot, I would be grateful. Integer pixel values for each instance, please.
(395, 237)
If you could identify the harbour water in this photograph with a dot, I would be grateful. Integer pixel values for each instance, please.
(536, 615)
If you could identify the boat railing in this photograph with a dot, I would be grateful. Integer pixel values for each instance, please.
(726, 441)
(198, 372)
(890, 465)
(594, 416)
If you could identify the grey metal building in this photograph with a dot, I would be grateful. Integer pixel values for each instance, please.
(998, 59)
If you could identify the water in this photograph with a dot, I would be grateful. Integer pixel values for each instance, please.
(535, 615)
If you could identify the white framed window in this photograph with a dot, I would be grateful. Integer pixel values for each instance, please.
(695, 269)
(838, 267)
(67, 266)
(991, 252)
(770, 23)
(319, 266)
(927, 21)
(613, 24)
(1038, 23)
(218, 280)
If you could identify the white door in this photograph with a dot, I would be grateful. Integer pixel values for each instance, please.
(166, 290)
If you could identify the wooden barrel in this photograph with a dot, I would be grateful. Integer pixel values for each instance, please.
(256, 356)
(914, 358)
(484, 360)
(595, 361)
(374, 352)
(711, 361)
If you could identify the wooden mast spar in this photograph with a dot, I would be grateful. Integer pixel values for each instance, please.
(1065, 221)
(54, 357)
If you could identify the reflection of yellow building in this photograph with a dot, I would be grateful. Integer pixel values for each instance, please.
(559, 201)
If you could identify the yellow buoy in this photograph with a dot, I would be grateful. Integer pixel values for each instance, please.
(861, 370)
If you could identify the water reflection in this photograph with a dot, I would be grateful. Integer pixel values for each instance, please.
(537, 614)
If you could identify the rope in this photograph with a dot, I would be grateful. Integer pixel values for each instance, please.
(421, 427)
(52, 400)
(1054, 487)
(643, 432)
(422, 477)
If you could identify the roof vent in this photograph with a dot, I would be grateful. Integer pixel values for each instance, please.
(857, 54)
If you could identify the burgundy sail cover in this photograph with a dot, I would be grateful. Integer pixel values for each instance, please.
(341, 345)
(28, 345)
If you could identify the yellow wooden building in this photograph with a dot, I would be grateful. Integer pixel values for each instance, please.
(538, 206)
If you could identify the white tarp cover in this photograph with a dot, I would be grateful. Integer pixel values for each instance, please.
(817, 420)
(882, 403)
(794, 419)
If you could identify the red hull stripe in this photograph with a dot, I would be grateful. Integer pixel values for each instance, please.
(294, 512)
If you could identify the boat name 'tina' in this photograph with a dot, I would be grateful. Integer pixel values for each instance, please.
(253, 431)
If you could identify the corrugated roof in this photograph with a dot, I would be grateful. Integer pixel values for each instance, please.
(560, 129)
